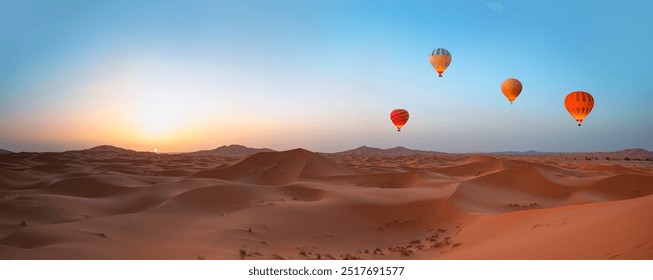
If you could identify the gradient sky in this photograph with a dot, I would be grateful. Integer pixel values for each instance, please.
(323, 75)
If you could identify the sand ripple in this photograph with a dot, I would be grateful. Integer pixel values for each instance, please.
(109, 203)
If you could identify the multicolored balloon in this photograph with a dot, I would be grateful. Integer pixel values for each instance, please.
(440, 59)
(579, 104)
(511, 88)
(399, 117)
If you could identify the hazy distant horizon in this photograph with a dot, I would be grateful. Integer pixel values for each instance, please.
(321, 151)
(323, 75)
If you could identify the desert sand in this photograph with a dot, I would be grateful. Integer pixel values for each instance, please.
(111, 203)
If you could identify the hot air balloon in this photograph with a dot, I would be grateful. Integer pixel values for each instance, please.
(579, 104)
(511, 88)
(440, 59)
(399, 117)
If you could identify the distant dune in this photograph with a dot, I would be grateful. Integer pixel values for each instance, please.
(529, 152)
(632, 153)
(230, 151)
(107, 149)
(111, 203)
(2, 152)
(377, 152)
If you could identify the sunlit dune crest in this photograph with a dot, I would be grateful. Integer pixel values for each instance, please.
(367, 203)
(371, 151)
(237, 151)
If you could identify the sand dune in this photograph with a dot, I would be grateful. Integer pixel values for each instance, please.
(235, 151)
(278, 168)
(112, 203)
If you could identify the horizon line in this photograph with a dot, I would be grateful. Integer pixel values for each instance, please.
(525, 152)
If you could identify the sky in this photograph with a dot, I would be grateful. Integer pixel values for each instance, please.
(323, 75)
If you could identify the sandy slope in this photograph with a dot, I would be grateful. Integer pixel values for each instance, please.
(110, 203)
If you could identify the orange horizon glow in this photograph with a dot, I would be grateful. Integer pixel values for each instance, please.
(181, 77)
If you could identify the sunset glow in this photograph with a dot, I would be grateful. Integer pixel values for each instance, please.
(322, 75)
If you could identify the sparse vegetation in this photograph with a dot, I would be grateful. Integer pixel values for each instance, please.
(529, 205)
(349, 256)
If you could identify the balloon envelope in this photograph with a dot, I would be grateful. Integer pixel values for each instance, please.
(511, 88)
(399, 117)
(579, 104)
(440, 59)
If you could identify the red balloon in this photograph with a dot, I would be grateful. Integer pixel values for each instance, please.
(399, 117)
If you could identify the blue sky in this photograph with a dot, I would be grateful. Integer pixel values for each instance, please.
(322, 75)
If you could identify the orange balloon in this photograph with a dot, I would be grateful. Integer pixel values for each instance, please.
(440, 59)
(511, 88)
(579, 104)
(399, 117)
